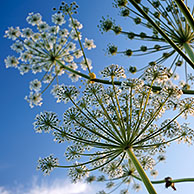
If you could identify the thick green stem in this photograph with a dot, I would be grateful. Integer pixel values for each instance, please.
(186, 12)
(141, 172)
(189, 50)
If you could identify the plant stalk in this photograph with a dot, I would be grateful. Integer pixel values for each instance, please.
(189, 50)
(118, 83)
(141, 172)
(186, 12)
(163, 180)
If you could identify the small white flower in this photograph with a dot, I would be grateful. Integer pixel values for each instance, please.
(55, 90)
(36, 69)
(24, 68)
(58, 19)
(35, 36)
(51, 39)
(53, 29)
(12, 33)
(11, 61)
(68, 58)
(71, 46)
(35, 85)
(34, 19)
(77, 173)
(75, 24)
(34, 99)
(17, 46)
(27, 32)
(89, 44)
(59, 71)
(43, 26)
(64, 93)
(74, 35)
(78, 54)
(62, 41)
(72, 65)
(187, 105)
(28, 43)
(48, 78)
(25, 56)
(63, 33)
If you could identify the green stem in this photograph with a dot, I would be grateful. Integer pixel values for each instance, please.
(141, 172)
(136, 130)
(175, 180)
(163, 180)
(189, 50)
(80, 44)
(186, 12)
(118, 83)
(163, 34)
(121, 120)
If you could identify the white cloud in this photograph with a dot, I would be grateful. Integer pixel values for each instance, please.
(56, 187)
(3, 191)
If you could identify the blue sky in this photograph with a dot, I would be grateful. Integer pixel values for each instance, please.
(20, 146)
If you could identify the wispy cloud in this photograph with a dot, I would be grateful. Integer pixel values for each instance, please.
(4, 191)
(56, 187)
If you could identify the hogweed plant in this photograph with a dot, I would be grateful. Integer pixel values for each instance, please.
(110, 126)
(120, 128)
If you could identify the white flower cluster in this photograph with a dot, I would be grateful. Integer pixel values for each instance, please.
(78, 172)
(45, 122)
(113, 71)
(47, 164)
(73, 152)
(157, 73)
(65, 93)
(133, 84)
(106, 121)
(52, 49)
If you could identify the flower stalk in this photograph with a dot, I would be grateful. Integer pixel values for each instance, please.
(163, 180)
(118, 83)
(189, 50)
(141, 172)
(186, 12)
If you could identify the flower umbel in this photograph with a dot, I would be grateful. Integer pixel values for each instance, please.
(49, 49)
(107, 121)
(47, 164)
